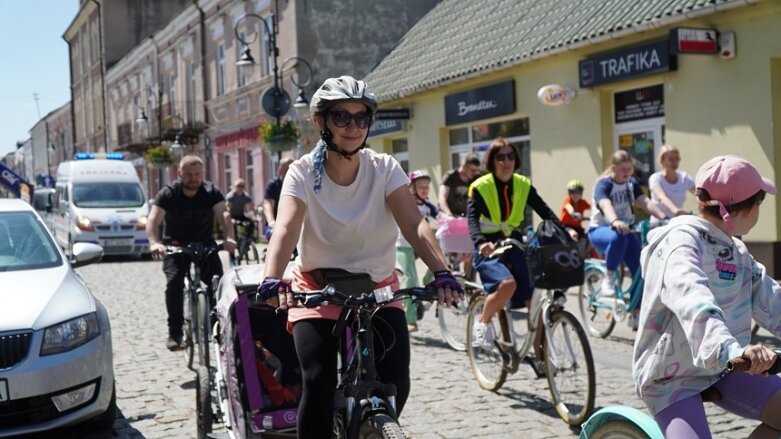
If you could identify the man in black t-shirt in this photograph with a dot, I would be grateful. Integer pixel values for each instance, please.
(271, 196)
(186, 208)
(452, 192)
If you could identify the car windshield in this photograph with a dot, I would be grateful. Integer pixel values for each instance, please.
(108, 195)
(25, 244)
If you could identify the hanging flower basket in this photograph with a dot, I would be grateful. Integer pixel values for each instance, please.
(159, 157)
(278, 138)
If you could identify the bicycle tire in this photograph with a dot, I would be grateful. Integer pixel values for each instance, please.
(488, 366)
(380, 426)
(187, 328)
(598, 319)
(570, 371)
(453, 324)
(252, 255)
(202, 328)
(203, 402)
(618, 429)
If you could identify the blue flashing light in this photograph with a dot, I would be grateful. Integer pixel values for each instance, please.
(93, 156)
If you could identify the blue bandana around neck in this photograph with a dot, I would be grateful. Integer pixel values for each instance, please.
(319, 161)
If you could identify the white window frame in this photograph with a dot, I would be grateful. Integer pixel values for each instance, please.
(249, 168)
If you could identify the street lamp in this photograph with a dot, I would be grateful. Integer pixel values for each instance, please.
(275, 101)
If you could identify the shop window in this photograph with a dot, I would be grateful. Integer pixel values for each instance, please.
(476, 139)
(400, 151)
(226, 169)
(250, 169)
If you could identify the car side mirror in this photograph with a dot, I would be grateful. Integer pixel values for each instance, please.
(85, 253)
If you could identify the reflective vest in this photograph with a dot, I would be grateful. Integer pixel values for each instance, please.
(486, 187)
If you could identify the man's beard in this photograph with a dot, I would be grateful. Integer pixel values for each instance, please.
(192, 186)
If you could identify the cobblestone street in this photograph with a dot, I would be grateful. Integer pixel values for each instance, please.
(156, 392)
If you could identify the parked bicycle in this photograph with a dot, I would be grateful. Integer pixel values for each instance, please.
(197, 327)
(365, 407)
(567, 362)
(618, 422)
(600, 313)
(245, 253)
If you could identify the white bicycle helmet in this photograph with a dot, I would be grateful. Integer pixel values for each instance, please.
(343, 88)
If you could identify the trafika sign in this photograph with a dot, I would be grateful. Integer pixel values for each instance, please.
(554, 95)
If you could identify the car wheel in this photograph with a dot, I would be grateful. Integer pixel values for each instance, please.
(105, 420)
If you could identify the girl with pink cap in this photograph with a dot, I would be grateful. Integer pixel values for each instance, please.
(702, 288)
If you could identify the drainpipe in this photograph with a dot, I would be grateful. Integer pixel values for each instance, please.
(204, 83)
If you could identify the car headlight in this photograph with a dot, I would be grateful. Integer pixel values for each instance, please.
(71, 334)
(84, 224)
(141, 225)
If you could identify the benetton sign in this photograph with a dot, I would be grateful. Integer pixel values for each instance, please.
(628, 63)
(480, 103)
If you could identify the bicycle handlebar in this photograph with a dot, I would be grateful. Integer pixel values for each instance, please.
(194, 249)
(741, 364)
(311, 299)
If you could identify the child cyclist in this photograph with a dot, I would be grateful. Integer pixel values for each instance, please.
(419, 185)
(702, 288)
(573, 209)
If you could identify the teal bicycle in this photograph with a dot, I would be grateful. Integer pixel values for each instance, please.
(600, 313)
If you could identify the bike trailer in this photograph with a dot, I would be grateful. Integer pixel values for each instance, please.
(259, 378)
(453, 235)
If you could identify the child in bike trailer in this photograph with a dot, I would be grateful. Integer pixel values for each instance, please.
(419, 185)
(342, 204)
(702, 288)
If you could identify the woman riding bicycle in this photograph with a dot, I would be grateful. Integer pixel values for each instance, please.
(615, 194)
(702, 288)
(495, 211)
(339, 203)
(669, 186)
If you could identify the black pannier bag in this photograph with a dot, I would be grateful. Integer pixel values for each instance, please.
(555, 260)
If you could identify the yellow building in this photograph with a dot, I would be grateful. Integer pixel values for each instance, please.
(631, 74)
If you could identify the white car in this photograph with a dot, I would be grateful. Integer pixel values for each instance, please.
(56, 364)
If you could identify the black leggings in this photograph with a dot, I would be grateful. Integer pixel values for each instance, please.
(317, 352)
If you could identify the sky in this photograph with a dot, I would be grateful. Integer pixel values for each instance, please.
(33, 59)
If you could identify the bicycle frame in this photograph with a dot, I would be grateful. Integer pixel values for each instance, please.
(540, 306)
(634, 291)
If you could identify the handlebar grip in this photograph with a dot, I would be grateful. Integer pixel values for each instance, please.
(738, 364)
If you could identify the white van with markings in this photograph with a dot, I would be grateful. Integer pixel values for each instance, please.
(100, 200)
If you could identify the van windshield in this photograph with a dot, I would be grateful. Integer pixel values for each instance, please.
(108, 195)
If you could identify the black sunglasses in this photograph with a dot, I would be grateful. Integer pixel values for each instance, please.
(343, 118)
(502, 157)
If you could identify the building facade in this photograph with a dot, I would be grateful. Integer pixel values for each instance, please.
(571, 86)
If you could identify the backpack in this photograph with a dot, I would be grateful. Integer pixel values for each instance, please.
(555, 260)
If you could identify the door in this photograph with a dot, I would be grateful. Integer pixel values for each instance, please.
(642, 140)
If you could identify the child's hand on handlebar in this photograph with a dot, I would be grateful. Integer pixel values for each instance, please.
(448, 288)
(762, 359)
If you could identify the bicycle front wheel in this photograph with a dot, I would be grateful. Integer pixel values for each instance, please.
(202, 328)
(618, 429)
(453, 324)
(596, 314)
(380, 426)
(187, 329)
(569, 366)
(251, 255)
(487, 362)
(203, 402)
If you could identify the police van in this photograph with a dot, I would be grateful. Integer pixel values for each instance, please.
(99, 199)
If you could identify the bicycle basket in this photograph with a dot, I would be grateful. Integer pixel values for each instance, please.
(555, 260)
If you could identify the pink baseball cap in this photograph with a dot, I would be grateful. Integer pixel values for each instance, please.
(729, 180)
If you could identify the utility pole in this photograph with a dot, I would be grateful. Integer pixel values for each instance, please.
(37, 108)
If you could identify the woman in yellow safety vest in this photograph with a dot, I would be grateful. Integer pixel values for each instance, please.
(495, 211)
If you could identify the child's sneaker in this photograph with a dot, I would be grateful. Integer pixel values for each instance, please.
(483, 335)
(607, 288)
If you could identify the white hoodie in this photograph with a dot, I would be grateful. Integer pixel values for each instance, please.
(702, 289)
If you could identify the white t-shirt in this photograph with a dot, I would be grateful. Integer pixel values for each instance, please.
(676, 192)
(348, 227)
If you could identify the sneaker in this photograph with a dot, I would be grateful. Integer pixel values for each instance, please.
(412, 327)
(483, 336)
(608, 288)
(174, 343)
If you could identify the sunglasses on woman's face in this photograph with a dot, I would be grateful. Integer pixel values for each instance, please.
(343, 118)
(502, 157)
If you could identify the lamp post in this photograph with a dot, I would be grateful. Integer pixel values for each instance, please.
(275, 101)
